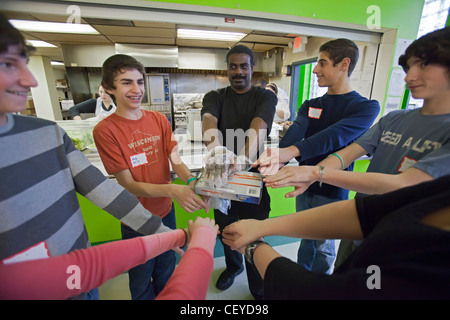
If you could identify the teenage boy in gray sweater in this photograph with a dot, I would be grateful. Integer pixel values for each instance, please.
(41, 172)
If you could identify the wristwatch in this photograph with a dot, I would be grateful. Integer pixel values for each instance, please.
(250, 249)
(321, 172)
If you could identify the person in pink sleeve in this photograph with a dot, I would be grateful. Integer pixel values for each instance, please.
(68, 275)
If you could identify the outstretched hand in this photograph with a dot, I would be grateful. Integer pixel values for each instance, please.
(300, 177)
(238, 234)
(199, 221)
(269, 162)
(192, 226)
(187, 199)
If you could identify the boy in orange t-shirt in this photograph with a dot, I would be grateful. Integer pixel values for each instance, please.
(136, 146)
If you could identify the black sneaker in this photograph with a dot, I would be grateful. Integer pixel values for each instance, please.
(226, 279)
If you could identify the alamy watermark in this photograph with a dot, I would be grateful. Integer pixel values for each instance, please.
(374, 280)
(74, 280)
(232, 140)
(374, 20)
(74, 12)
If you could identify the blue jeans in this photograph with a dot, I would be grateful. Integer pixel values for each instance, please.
(315, 255)
(93, 294)
(147, 280)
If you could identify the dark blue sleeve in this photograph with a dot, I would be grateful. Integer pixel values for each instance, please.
(297, 130)
(87, 106)
(341, 133)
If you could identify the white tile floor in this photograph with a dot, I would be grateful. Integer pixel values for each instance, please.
(117, 288)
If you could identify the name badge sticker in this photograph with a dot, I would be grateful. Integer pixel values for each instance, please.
(38, 251)
(406, 164)
(138, 159)
(314, 113)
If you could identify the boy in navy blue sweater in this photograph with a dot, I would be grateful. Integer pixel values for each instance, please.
(323, 126)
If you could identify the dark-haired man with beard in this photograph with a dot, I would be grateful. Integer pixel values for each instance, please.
(239, 117)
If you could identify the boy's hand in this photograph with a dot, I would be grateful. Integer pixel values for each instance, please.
(187, 199)
(199, 221)
(273, 159)
(238, 234)
(300, 177)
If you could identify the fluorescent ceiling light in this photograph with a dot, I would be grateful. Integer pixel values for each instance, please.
(55, 27)
(40, 44)
(56, 63)
(209, 35)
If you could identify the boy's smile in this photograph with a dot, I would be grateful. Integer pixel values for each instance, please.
(15, 80)
(129, 89)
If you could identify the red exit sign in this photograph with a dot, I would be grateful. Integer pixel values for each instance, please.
(298, 42)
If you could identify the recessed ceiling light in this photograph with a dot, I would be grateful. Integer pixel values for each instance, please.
(56, 63)
(209, 35)
(40, 44)
(55, 27)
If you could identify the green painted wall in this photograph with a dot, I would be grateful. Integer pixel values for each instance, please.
(448, 19)
(304, 83)
(100, 225)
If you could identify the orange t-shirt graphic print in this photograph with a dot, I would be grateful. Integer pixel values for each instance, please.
(145, 143)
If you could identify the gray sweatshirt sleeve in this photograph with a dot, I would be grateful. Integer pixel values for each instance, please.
(110, 196)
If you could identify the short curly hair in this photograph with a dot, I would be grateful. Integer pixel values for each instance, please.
(433, 47)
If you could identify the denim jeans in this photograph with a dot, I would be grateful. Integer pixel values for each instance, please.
(315, 255)
(147, 280)
(93, 294)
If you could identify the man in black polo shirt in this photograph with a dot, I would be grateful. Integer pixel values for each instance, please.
(239, 117)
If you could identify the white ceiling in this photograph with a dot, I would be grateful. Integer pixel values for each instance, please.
(114, 31)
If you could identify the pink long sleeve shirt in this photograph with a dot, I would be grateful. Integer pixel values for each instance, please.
(56, 277)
